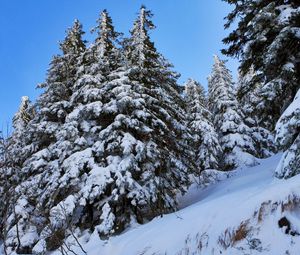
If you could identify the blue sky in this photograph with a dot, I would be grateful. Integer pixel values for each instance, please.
(188, 33)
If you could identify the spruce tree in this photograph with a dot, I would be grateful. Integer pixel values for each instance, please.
(18, 138)
(99, 59)
(106, 41)
(1, 147)
(272, 29)
(234, 135)
(11, 175)
(85, 171)
(266, 39)
(43, 147)
(157, 84)
(205, 139)
(13, 145)
(64, 165)
(248, 96)
(288, 138)
(54, 102)
(4, 186)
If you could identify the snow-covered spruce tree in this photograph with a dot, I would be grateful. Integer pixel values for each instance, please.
(54, 102)
(11, 164)
(85, 183)
(267, 39)
(14, 143)
(17, 140)
(247, 94)
(102, 56)
(271, 28)
(43, 147)
(166, 167)
(249, 97)
(205, 139)
(5, 187)
(234, 135)
(68, 182)
(1, 147)
(288, 137)
(105, 44)
(138, 161)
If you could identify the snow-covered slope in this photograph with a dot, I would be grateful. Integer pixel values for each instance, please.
(238, 215)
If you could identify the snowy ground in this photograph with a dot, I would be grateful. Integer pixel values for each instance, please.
(238, 215)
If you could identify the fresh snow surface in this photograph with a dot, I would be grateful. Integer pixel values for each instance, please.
(209, 218)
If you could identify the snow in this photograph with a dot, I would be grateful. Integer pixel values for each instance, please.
(107, 220)
(286, 13)
(210, 216)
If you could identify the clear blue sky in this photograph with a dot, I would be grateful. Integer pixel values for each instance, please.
(188, 33)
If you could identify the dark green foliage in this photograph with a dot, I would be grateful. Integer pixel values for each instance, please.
(266, 39)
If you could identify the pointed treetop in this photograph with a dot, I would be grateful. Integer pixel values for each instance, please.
(199, 121)
(218, 61)
(216, 58)
(195, 91)
(106, 34)
(194, 85)
(144, 19)
(73, 42)
(220, 85)
(220, 71)
(22, 117)
(143, 23)
(141, 50)
(25, 102)
(192, 82)
(24, 99)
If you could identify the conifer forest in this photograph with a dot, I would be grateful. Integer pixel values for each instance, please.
(117, 157)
